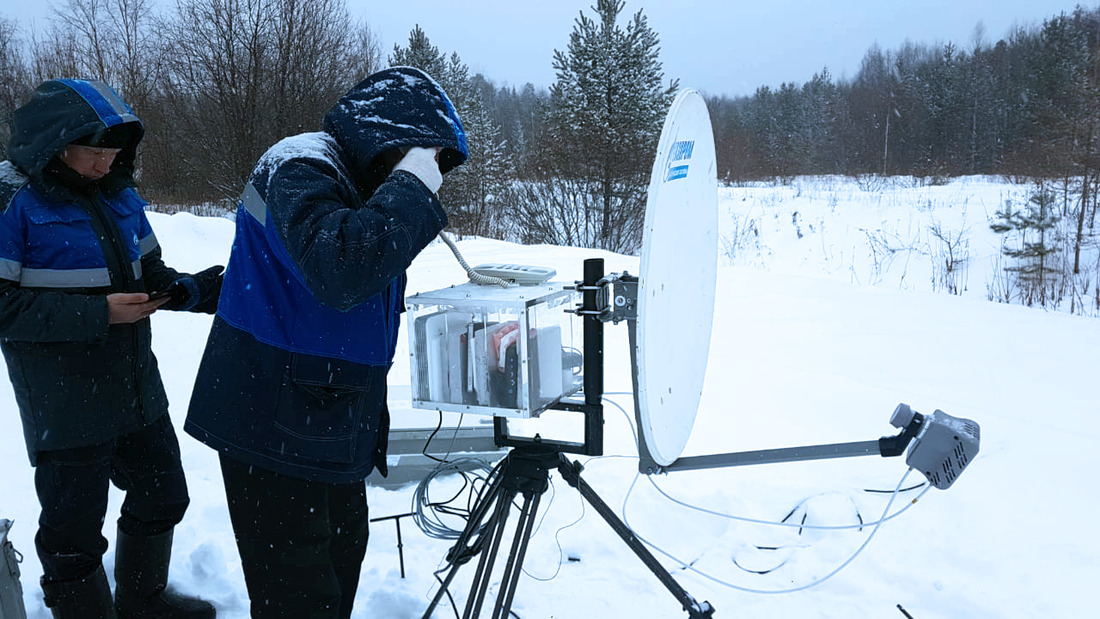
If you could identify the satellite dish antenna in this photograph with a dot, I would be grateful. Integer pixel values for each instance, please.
(669, 311)
(677, 282)
(670, 335)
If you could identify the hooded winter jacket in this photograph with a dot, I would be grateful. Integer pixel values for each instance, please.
(66, 243)
(293, 378)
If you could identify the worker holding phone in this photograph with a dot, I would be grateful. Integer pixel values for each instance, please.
(78, 259)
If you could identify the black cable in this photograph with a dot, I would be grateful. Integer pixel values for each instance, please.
(447, 592)
(910, 488)
(424, 452)
(425, 510)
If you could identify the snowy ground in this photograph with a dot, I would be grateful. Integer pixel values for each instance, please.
(818, 335)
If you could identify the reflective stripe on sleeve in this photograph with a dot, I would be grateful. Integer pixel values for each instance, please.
(10, 269)
(147, 244)
(254, 204)
(65, 278)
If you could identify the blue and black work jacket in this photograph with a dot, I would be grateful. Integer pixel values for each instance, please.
(65, 244)
(293, 378)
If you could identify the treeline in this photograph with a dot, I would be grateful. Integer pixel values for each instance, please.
(1026, 105)
(216, 82)
(219, 81)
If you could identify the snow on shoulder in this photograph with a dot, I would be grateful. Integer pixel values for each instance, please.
(316, 145)
(11, 175)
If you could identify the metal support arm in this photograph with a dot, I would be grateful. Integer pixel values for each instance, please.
(770, 456)
(887, 446)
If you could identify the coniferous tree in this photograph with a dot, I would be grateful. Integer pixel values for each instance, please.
(516, 113)
(604, 118)
(985, 99)
(477, 190)
(419, 53)
(1034, 247)
(473, 192)
(819, 102)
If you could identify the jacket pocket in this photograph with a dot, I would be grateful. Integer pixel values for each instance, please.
(320, 408)
(62, 240)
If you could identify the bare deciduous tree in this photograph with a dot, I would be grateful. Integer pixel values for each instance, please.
(107, 40)
(134, 51)
(242, 74)
(14, 79)
(57, 54)
(84, 22)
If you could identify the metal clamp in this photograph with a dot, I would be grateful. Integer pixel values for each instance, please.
(616, 298)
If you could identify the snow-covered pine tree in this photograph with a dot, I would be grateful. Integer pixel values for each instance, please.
(471, 192)
(605, 115)
(419, 53)
(1037, 277)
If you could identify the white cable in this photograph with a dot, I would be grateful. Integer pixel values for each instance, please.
(793, 525)
(755, 520)
(877, 524)
(425, 513)
(474, 276)
(629, 421)
(730, 585)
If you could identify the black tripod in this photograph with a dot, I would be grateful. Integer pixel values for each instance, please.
(526, 471)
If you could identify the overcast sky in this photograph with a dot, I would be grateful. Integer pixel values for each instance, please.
(718, 46)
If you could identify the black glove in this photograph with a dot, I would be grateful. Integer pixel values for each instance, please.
(196, 293)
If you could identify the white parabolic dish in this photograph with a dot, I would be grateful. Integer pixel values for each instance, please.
(677, 283)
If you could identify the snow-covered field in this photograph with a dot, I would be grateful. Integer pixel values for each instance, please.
(826, 319)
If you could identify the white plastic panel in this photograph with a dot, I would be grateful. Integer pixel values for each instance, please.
(677, 283)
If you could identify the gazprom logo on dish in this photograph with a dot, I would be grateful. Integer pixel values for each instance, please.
(681, 151)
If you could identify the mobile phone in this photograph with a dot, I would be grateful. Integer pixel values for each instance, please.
(166, 292)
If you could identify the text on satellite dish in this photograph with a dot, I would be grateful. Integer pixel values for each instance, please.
(681, 151)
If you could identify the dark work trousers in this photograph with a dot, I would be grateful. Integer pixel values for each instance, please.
(301, 542)
(72, 487)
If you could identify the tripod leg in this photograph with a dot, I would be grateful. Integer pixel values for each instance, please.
(440, 592)
(462, 550)
(488, 557)
(572, 476)
(514, 567)
(525, 472)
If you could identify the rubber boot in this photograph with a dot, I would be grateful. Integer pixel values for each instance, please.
(86, 598)
(141, 580)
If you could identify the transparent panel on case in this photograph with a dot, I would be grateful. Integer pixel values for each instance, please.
(507, 352)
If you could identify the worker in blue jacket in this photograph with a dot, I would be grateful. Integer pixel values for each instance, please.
(78, 260)
(292, 386)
